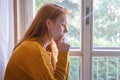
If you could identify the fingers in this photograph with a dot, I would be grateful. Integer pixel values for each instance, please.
(62, 44)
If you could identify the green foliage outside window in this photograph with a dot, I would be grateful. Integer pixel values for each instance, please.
(106, 68)
(106, 23)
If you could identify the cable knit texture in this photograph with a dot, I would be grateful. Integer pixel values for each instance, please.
(30, 61)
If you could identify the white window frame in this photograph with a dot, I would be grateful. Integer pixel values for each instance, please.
(25, 15)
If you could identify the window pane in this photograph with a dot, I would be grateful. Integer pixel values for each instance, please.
(106, 23)
(74, 7)
(106, 68)
(75, 68)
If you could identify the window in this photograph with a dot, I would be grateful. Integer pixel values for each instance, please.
(94, 35)
(106, 40)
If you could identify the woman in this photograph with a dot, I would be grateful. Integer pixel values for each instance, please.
(42, 53)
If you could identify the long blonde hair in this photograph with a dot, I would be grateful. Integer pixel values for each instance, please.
(38, 27)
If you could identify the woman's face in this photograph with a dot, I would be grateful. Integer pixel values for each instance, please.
(59, 27)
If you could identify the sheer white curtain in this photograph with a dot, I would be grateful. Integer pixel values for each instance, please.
(6, 33)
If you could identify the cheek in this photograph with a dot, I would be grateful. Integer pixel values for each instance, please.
(58, 29)
(57, 32)
(54, 31)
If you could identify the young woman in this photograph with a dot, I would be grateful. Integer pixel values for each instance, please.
(42, 53)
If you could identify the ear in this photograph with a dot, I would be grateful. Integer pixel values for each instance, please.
(49, 23)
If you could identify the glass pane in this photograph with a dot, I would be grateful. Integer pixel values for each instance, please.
(106, 21)
(74, 7)
(106, 68)
(75, 68)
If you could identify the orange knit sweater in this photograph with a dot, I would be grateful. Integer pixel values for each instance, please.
(30, 61)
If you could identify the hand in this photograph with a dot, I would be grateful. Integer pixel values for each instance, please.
(62, 45)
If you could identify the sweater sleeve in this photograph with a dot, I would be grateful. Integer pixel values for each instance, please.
(62, 67)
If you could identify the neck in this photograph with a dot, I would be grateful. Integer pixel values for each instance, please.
(44, 41)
